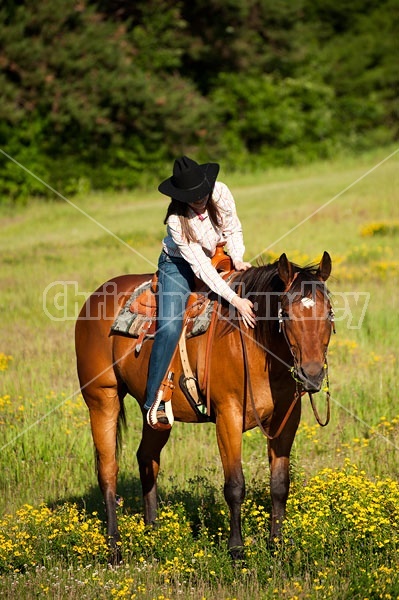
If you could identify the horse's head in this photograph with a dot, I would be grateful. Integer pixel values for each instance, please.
(306, 319)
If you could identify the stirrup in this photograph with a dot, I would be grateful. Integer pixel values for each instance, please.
(152, 414)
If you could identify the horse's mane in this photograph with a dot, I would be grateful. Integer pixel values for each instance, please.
(263, 286)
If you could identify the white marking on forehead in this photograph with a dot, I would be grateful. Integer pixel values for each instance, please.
(308, 302)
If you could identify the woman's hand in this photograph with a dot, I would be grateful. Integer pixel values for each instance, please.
(242, 266)
(245, 308)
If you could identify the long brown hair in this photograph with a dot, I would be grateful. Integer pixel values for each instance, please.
(181, 210)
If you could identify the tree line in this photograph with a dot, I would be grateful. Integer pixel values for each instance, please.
(106, 93)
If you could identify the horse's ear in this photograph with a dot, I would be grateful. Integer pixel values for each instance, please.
(324, 269)
(285, 269)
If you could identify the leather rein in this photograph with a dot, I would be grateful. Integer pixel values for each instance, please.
(298, 383)
(299, 392)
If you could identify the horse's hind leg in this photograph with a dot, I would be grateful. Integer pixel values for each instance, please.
(104, 405)
(148, 457)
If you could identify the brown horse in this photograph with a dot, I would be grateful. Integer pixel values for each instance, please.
(251, 375)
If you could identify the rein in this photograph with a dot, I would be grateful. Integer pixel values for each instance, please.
(298, 383)
(298, 390)
(297, 395)
(316, 414)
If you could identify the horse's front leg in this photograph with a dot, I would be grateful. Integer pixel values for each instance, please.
(229, 437)
(279, 459)
(279, 489)
(149, 458)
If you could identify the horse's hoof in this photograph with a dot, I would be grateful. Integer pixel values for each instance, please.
(274, 543)
(237, 554)
(115, 557)
(150, 527)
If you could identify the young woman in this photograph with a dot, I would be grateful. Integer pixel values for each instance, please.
(201, 215)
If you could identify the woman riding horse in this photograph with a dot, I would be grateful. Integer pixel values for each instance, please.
(200, 216)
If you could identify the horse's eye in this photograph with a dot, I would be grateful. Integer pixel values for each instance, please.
(282, 314)
(331, 317)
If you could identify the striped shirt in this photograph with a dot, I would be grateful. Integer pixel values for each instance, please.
(198, 254)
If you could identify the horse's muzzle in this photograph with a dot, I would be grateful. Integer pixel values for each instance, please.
(311, 376)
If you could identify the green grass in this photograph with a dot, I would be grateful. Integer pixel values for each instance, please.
(47, 454)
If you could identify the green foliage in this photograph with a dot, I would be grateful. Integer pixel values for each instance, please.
(104, 94)
(90, 109)
(342, 527)
(274, 121)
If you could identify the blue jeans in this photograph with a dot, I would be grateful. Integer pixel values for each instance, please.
(175, 282)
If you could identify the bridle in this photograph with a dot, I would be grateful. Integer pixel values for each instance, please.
(251, 394)
(299, 392)
(283, 318)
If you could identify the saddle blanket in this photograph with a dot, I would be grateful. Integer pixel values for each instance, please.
(131, 324)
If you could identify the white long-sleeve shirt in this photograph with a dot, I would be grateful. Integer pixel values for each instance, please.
(198, 254)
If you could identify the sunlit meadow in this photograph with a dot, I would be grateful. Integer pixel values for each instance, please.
(341, 536)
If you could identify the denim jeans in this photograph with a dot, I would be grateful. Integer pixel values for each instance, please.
(175, 282)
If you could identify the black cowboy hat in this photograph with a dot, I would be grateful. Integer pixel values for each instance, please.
(190, 181)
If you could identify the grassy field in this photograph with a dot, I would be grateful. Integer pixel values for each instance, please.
(341, 537)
